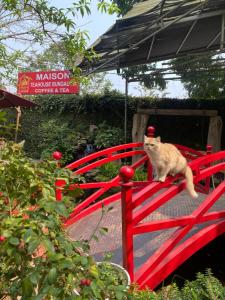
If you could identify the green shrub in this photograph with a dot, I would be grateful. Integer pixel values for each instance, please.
(38, 259)
(57, 137)
(110, 170)
(140, 175)
(117, 286)
(107, 136)
(107, 171)
(205, 287)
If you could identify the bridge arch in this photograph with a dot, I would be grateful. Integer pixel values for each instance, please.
(179, 246)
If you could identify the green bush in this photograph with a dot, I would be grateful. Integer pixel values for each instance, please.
(82, 111)
(107, 136)
(205, 287)
(57, 137)
(107, 171)
(38, 259)
(110, 170)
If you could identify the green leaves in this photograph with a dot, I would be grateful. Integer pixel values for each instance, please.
(52, 275)
(107, 7)
(14, 241)
(61, 209)
(83, 7)
(202, 76)
(38, 259)
(107, 136)
(147, 75)
(27, 288)
(33, 244)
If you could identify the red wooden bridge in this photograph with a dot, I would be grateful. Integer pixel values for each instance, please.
(153, 227)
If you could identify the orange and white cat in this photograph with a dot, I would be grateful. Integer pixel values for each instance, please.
(167, 159)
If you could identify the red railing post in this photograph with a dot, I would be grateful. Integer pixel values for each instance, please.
(151, 133)
(209, 150)
(57, 156)
(59, 183)
(126, 173)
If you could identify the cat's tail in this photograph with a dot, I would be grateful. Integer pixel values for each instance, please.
(189, 182)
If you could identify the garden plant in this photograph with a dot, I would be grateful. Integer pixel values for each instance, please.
(38, 259)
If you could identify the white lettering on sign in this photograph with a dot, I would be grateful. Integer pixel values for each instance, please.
(52, 90)
(44, 91)
(40, 84)
(53, 76)
(64, 90)
(60, 83)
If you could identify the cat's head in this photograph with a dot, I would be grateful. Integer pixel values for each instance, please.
(152, 144)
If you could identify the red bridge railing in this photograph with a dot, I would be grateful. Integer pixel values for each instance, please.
(134, 194)
(97, 159)
(173, 251)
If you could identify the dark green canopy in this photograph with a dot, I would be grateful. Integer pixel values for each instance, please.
(155, 30)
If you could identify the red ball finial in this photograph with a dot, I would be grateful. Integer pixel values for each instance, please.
(126, 173)
(151, 131)
(2, 238)
(57, 155)
(209, 148)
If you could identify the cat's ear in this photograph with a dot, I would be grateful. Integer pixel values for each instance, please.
(145, 137)
(158, 139)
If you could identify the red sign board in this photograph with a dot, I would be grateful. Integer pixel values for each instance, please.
(46, 82)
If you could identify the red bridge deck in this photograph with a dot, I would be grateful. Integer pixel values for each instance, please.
(144, 245)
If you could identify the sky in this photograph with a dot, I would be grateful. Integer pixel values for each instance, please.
(96, 24)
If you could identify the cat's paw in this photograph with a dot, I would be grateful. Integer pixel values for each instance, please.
(194, 195)
(162, 179)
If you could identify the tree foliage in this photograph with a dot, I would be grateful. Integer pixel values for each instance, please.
(125, 6)
(147, 75)
(202, 76)
(28, 27)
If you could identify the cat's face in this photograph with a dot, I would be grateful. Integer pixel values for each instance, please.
(151, 144)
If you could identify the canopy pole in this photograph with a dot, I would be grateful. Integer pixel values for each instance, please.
(222, 32)
(125, 110)
(18, 115)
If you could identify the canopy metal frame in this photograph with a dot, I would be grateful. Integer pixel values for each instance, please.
(158, 30)
(170, 29)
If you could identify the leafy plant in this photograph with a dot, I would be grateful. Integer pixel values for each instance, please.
(57, 137)
(205, 287)
(143, 294)
(38, 258)
(107, 136)
(140, 175)
(110, 170)
(202, 75)
(7, 129)
(116, 278)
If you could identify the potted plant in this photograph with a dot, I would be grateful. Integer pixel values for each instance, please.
(118, 279)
